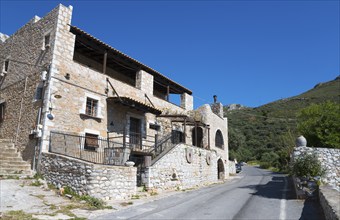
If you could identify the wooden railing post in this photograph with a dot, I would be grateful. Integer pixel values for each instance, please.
(124, 138)
(156, 142)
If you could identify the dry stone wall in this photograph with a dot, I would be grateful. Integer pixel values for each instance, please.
(178, 170)
(100, 181)
(330, 160)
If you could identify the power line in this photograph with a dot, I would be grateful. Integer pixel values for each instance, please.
(267, 117)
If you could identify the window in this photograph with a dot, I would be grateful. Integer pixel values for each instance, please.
(91, 142)
(46, 41)
(5, 66)
(39, 92)
(91, 107)
(2, 112)
(219, 142)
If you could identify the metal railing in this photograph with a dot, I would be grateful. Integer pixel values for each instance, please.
(137, 142)
(113, 150)
(103, 151)
(166, 142)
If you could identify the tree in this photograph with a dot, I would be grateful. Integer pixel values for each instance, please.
(320, 124)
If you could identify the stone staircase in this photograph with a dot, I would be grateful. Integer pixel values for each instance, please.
(11, 162)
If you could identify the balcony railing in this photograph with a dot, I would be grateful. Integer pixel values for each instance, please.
(113, 150)
(137, 142)
(104, 152)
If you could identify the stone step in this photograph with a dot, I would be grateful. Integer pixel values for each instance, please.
(9, 172)
(4, 142)
(7, 145)
(9, 150)
(10, 159)
(15, 166)
(13, 163)
(7, 155)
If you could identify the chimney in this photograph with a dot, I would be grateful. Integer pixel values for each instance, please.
(217, 107)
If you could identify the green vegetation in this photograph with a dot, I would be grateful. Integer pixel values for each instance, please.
(92, 202)
(267, 133)
(16, 215)
(320, 124)
(307, 166)
(36, 183)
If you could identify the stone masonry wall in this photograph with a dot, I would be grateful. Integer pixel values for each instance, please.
(100, 181)
(173, 171)
(330, 160)
(329, 200)
(232, 167)
(27, 59)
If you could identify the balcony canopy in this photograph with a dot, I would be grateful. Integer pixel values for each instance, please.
(132, 103)
(96, 49)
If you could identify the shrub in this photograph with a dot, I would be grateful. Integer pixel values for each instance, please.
(307, 166)
(92, 202)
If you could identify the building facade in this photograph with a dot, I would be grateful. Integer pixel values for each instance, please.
(65, 92)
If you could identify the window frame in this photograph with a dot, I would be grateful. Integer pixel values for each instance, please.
(5, 66)
(219, 140)
(92, 108)
(94, 142)
(2, 111)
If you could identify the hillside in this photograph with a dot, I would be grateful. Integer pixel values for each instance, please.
(270, 130)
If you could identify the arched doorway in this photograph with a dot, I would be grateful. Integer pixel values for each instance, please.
(197, 139)
(220, 169)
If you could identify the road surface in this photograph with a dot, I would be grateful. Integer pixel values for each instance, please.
(255, 194)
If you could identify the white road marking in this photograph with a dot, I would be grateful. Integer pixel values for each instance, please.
(283, 202)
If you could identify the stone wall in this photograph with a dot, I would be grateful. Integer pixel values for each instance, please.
(27, 60)
(184, 167)
(232, 167)
(329, 201)
(330, 160)
(100, 181)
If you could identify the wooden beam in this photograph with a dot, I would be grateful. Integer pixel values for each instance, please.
(104, 63)
(168, 93)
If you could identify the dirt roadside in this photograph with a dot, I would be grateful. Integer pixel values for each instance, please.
(34, 199)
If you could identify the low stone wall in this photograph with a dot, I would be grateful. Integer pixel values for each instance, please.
(329, 201)
(232, 167)
(330, 160)
(100, 181)
(185, 167)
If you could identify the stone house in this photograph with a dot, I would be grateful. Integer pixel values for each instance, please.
(80, 112)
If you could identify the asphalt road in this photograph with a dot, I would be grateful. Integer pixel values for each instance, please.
(256, 194)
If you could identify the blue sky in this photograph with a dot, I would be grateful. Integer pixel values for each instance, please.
(247, 52)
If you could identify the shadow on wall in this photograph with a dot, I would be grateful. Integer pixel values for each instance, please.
(28, 152)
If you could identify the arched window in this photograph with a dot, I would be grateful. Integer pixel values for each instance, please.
(197, 139)
(219, 142)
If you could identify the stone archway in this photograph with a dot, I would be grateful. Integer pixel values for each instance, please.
(197, 139)
(220, 169)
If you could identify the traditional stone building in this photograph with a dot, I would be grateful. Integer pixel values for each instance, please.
(65, 95)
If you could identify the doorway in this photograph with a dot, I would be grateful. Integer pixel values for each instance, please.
(197, 137)
(135, 133)
(220, 170)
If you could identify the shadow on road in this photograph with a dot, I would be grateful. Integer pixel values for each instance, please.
(312, 210)
(274, 189)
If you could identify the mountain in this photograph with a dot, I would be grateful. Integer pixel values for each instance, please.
(232, 107)
(270, 130)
